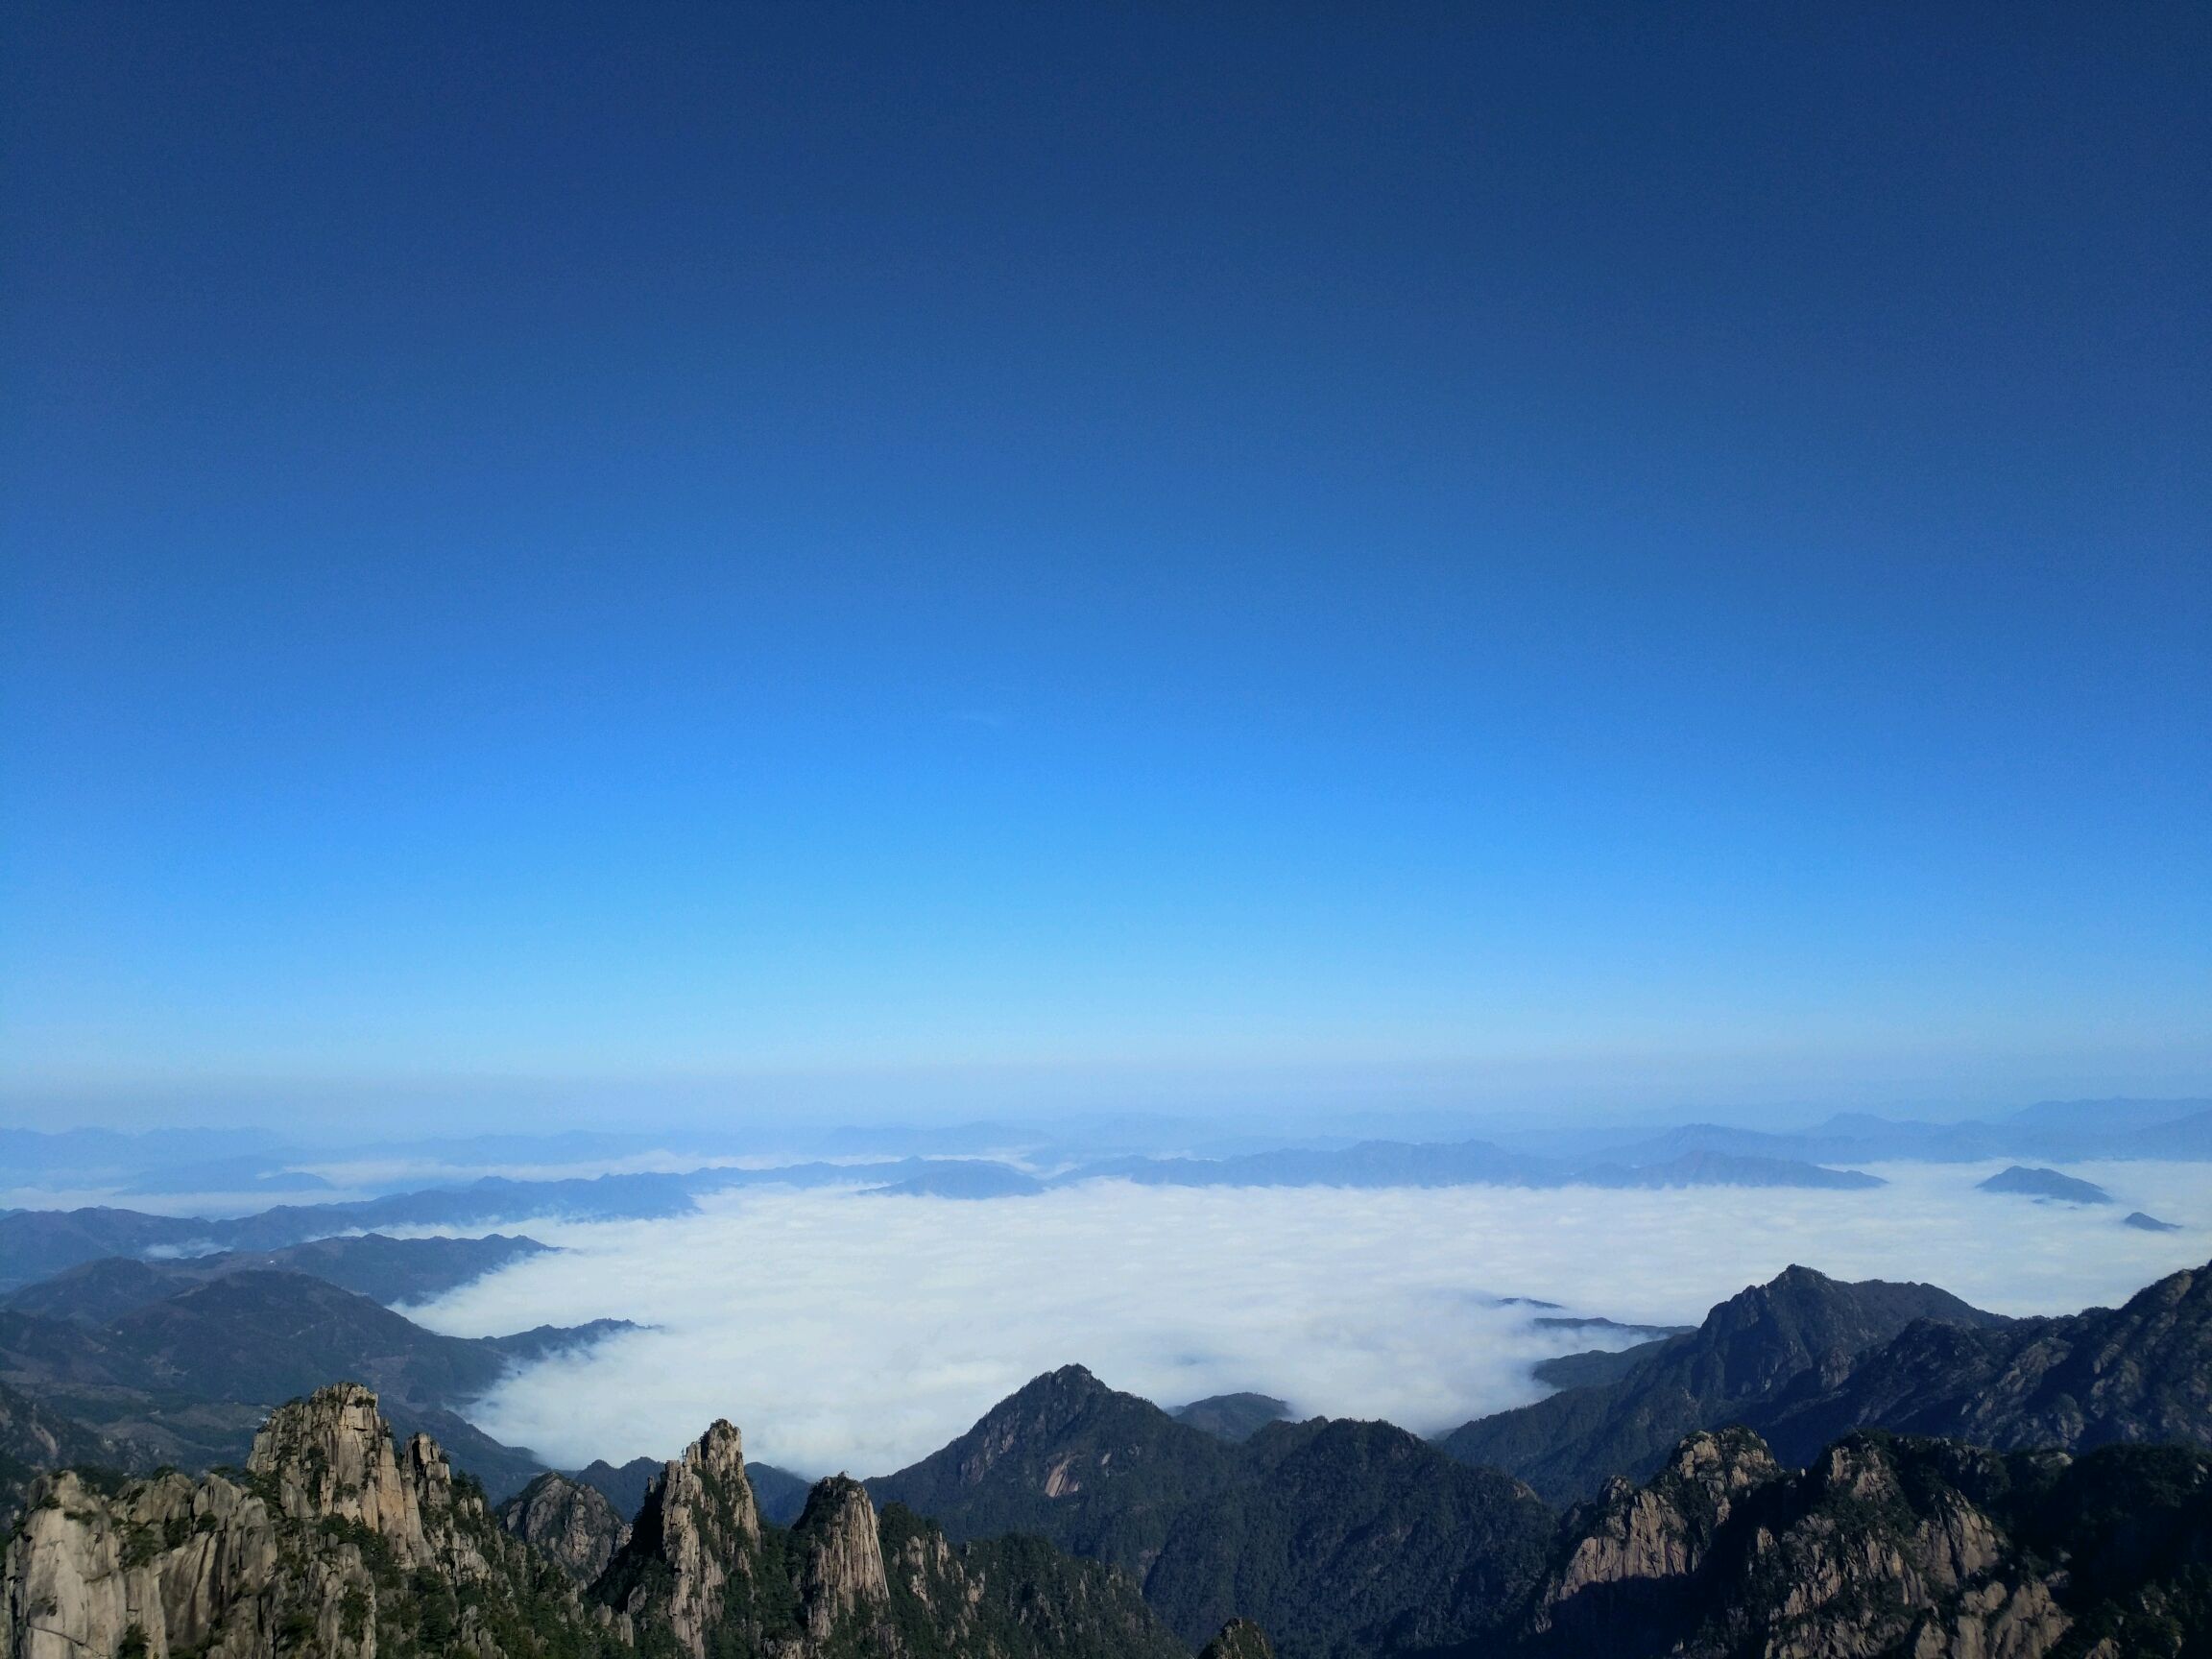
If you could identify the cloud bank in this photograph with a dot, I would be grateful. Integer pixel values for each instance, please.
(859, 1333)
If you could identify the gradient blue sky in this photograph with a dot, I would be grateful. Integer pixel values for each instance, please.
(1569, 549)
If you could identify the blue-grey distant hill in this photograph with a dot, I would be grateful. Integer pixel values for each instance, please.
(963, 1180)
(2053, 1131)
(2045, 1184)
(2143, 1223)
(1463, 1164)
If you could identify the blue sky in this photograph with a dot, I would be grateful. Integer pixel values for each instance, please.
(1595, 550)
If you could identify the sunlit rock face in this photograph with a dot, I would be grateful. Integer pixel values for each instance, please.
(568, 1523)
(332, 1540)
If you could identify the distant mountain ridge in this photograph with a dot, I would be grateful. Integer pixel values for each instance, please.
(385, 1270)
(183, 1378)
(36, 1243)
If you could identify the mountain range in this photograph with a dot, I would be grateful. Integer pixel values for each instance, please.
(1819, 1467)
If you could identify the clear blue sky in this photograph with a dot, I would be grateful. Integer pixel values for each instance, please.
(1570, 543)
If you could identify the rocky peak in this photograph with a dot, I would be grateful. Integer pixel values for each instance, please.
(332, 1454)
(1041, 1410)
(1766, 1335)
(332, 1537)
(695, 1546)
(840, 1559)
(572, 1524)
(1635, 1542)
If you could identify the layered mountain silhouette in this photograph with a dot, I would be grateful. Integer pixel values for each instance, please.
(383, 1269)
(2066, 1510)
(185, 1379)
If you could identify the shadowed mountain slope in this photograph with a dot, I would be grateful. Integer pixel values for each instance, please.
(1338, 1537)
(1098, 1472)
(185, 1379)
(1349, 1538)
(383, 1269)
(1747, 1347)
(2138, 1374)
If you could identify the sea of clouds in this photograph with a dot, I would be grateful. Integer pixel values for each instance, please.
(845, 1331)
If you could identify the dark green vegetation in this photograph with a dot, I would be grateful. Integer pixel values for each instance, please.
(1749, 1347)
(184, 1379)
(1028, 1597)
(2044, 1184)
(1336, 1537)
(1348, 1538)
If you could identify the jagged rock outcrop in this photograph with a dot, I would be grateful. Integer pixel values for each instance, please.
(1635, 1545)
(694, 1561)
(333, 1542)
(1240, 1639)
(1886, 1547)
(568, 1523)
(703, 1575)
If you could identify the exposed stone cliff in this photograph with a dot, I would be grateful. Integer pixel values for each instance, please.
(333, 1542)
(568, 1522)
(694, 1561)
(1883, 1546)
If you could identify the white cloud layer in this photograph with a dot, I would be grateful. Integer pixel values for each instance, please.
(846, 1332)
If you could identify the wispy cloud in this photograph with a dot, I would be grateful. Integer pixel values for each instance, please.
(859, 1333)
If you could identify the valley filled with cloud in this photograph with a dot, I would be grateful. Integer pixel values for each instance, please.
(851, 1331)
